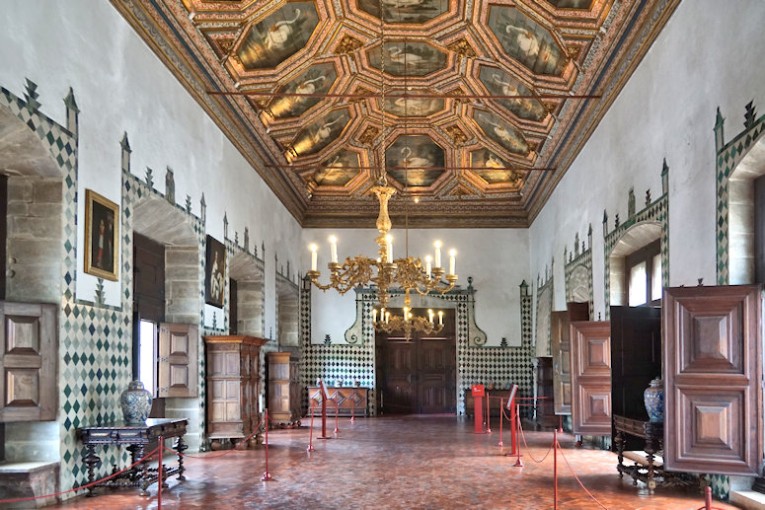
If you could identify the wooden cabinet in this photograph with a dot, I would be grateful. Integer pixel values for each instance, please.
(233, 387)
(349, 401)
(560, 324)
(283, 389)
(591, 378)
(545, 411)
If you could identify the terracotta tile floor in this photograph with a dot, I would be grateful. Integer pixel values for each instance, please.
(412, 462)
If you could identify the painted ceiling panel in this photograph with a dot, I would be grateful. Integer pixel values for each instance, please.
(481, 107)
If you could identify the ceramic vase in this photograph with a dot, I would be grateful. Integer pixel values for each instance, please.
(136, 403)
(654, 400)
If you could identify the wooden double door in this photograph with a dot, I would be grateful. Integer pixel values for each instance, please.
(418, 375)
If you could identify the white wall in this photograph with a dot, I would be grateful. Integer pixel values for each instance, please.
(710, 54)
(121, 86)
(496, 259)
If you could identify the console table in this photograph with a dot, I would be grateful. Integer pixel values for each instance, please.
(646, 466)
(139, 439)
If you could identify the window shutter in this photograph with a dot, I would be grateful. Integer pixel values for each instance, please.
(178, 364)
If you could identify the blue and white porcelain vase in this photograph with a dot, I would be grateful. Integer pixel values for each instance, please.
(654, 400)
(136, 403)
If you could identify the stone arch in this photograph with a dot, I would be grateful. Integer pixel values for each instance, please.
(638, 236)
(287, 311)
(249, 272)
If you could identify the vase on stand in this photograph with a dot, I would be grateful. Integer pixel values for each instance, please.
(654, 400)
(136, 403)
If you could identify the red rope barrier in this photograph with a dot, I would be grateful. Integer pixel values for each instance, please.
(266, 476)
(145, 458)
(527, 446)
(236, 447)
(601, 505)
(160, 479)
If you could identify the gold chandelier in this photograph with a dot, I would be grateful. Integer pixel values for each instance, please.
(385, 273)
(408, 322)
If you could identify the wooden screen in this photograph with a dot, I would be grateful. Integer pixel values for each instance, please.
(561, 351)
(591, 378)
(28, 351)
(177, 365)
(712, 348)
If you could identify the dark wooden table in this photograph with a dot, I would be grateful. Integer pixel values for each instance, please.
(139, 440)
(653, 433)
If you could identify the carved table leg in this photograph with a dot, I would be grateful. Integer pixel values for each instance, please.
(91, 460)
(619, 441)
(650, 449)
(142, 471)
(180, 447)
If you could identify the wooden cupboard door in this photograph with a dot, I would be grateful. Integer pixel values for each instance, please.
(591, 377)
(177, 371)
(713, 373)
(561, 351)
(28, 351)
(436, 375)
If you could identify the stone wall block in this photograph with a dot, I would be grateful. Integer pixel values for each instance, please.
(38, 228)
(182, 257)
(47, 191)
(20, 189)
(182, 273)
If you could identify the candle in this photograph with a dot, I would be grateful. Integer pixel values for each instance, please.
(374, 314)
(441, 317)
(437, 260)
(428, 267)
(452, 261)
(430, 315)
(333, 249)
(314, 256)
(387, 317)
(406, 313)
(389, 248)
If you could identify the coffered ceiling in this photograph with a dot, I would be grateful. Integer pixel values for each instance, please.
(475, 107)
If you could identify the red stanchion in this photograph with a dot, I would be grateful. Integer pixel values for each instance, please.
(555, 470)
(560, 424)
(477, 391)
(488, 414)
(501, 419)
(160, 478)
(518, 462)
(353, 409)
(310, 430)
(266, 476)
(337, 414)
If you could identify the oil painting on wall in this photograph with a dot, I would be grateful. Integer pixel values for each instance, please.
(215, 271)
(407, 58)
(320, 133)
(338, 170)
(404, 11)
(278, 36)
(526, 41)
(415, 160)
(317, 80)
(101, 236)
(501, 83)
(502, 132)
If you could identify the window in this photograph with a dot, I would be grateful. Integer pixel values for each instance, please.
(147, 355)
(643, 273)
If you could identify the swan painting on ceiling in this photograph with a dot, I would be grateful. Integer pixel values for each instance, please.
(502, 132)
(317, 80)
(405, 11)
(406, 58)
(526, 41)
(278, 36)
(413, 106)
(338, 170)
(415, 160)
(493, 169)
(501, 83)
(320, 133)
(572, 4)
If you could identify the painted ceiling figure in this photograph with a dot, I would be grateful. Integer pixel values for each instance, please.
(507, 136)
(397, 56)
(494, 162)
(279, 33)
(526, 39)
(323, 132)
(404, 106)
(309, 86)
(413, 162)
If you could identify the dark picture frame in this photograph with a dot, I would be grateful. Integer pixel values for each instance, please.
(215, 272)
(101, 236)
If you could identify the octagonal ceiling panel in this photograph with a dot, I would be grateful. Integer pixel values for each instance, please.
(404, 11)
(408, 58)
(297, 96)
(486, 102)
(526, 41)
(278, 36)
(338, 170)
(320, 133)
(415, 161)
(502, 132)
(502, 84)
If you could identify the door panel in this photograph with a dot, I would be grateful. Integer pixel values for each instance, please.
(712, 348)
(561, 351)
(591, 377)
(178, 361)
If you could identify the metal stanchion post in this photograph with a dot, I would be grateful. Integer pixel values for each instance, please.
(337, 420)
(310, 430)
(324, 417)
(555, 470)
(518, 462)
(488, 413)
(353, 409)
(160, 474)
(266, 476)
(501, 419)
(560, 424)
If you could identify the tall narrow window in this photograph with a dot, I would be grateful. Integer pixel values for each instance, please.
(643, 273)
(147, 355)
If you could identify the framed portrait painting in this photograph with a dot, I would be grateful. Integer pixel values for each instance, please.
(101, 236)
(215, 271)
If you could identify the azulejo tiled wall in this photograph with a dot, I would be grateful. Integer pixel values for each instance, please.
(502, 366)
